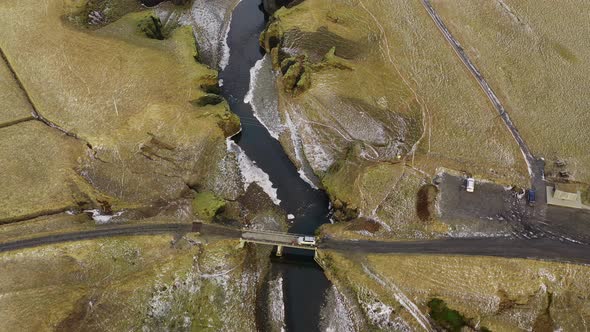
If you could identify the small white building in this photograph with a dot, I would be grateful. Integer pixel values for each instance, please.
(565, 194)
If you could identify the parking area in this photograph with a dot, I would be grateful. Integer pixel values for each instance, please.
(490, 209)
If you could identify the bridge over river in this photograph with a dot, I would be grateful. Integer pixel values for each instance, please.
(541, 248)
(278, 239)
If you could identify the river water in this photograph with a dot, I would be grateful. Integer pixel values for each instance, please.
(304, 283)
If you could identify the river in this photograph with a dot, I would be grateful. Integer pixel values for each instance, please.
(304, 283)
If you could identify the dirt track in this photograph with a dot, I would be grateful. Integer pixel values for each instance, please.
(535, 171)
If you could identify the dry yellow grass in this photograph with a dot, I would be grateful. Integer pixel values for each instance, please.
(126, 95)
(126, 284)
(44, 286)
(479, 287)
(535, 56)
(45, 225)
(37, 171)
(94, 82)
(500, 294)
(407, 100)
(14, 106)
(406, 64)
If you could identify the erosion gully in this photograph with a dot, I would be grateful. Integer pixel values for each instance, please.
(304, 283)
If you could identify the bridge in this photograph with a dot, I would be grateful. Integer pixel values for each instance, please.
(278, 239)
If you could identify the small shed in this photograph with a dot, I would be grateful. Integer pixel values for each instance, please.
(566, 191)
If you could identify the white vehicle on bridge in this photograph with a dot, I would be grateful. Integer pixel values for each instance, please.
(306, 240)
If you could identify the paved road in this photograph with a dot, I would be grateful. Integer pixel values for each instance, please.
(110, 231)
(152, 229)
(535, 171)
(546, 249)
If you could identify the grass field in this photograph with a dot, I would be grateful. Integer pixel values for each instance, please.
(405, 62)
(398, 106)
(14, 103)
(40, 160)
(496, 293)
(139, 107)
(128, 284)
(532, 54)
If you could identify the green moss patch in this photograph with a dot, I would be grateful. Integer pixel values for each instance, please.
(206, 205)
(208, 99)
(296, 74)
(447, 318)
(152, 27)
(271, 37)
(564, 52)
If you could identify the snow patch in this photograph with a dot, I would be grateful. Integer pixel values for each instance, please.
(251, 173)
(315, 152)
(545, 273)
(253, 75)
(277, 303)
(365, 233)
(378, 312)
(466, 233)
(225, 49)
(336, 314)
(402, 299)
(262, 96)
(298, 148)
(211, 24)
(264, 102)
(160, 305)
(307, 180)
(102, 218)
